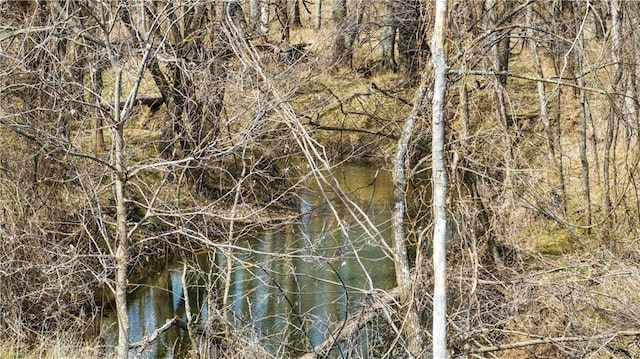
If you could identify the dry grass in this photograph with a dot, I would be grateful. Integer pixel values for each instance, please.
(57, 347)
(566, 282)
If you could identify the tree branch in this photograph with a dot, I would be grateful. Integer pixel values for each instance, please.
(29, 30)
(352, 325)
(175, 321)
(352, 129)
(539, 341)
(555, 81)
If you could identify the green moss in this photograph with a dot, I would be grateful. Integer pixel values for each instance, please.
(552, 240)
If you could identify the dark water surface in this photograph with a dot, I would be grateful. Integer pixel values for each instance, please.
(287, 287)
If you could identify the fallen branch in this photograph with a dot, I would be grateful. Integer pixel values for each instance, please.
(351, 326)
(539, 341)
(175, 321)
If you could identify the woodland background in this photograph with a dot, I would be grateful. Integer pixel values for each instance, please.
(135, 129)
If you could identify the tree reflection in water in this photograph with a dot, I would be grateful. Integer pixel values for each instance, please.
(289, 287)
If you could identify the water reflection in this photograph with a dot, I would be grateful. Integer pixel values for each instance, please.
(288, 286)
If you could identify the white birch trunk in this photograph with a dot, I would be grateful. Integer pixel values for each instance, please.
(439, 184)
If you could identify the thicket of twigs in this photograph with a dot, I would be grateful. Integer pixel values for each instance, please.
(542, 153)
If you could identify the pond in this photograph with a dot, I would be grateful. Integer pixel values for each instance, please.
(286, 288)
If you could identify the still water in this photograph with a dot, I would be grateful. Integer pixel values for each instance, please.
(288, 287)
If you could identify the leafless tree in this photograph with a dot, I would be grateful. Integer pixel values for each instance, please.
(318, 14)
(440, 184)
(213, 131)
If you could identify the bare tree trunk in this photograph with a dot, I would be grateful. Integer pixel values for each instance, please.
(412, 327)
(500, 49)
(599, 18)
(616, 42)
(631, 111)
(408, 30)
(388, 37)
(294, 13)
(318, 14)
(503, 55)
(543, 99)
(98, 86)
(584, 161)
(585, 113)
(499, 83)
(439, 174)
(557, 139)
(283, 15)
(264, 16)
(254, 13)
(564, 64)
(121, 112)
(192, 118)
(342, 51)
(122, 242)
(403, 277)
